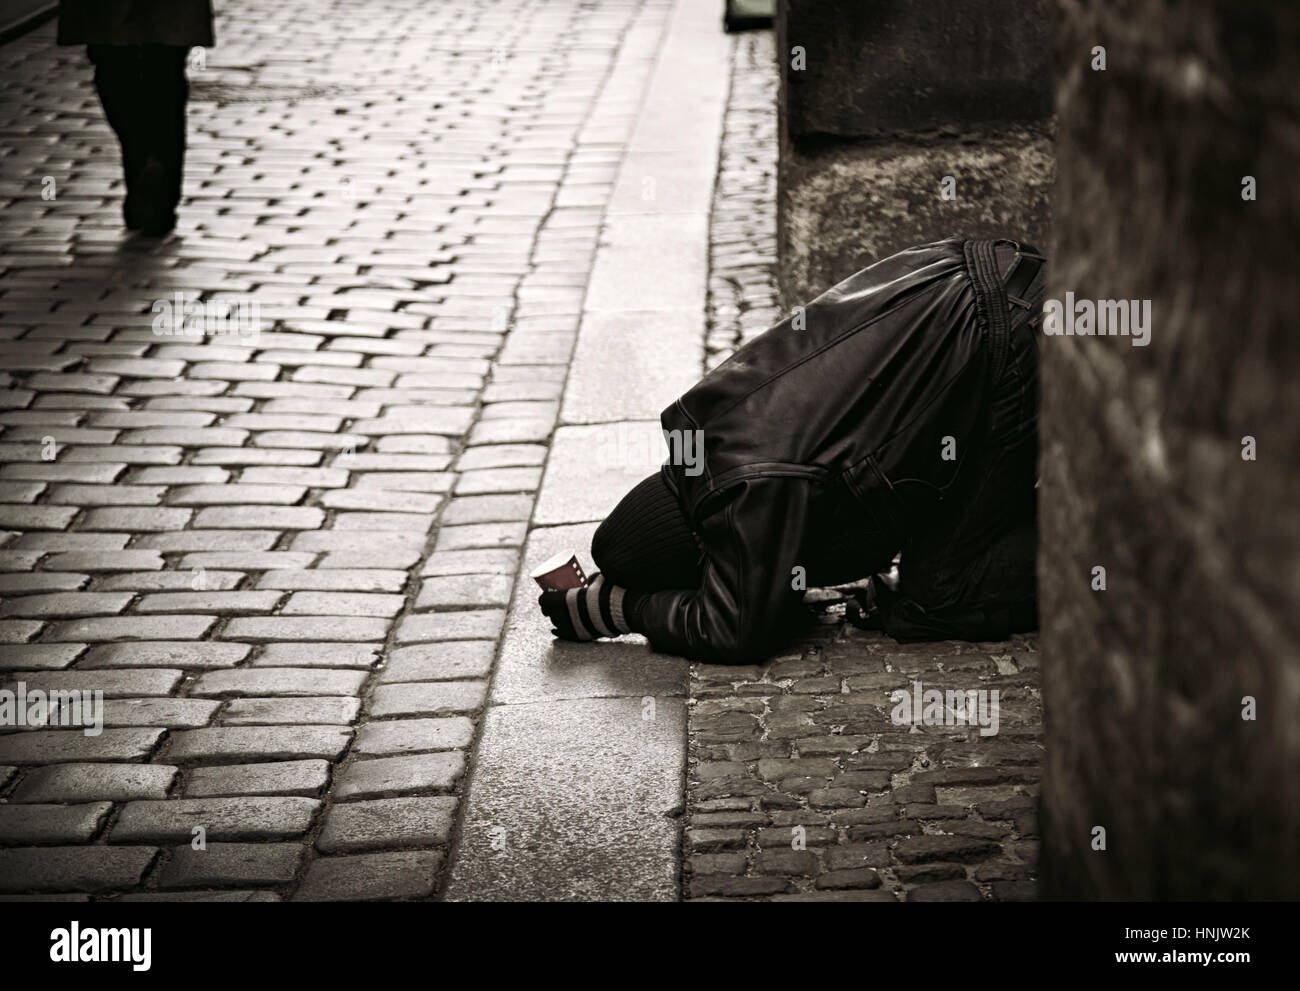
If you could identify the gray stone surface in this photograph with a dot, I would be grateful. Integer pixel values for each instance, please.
(38, 656)
(228, 819)
(226, 864)
(590, 818)
(73, 868)
(371, 876)
(445, 661)
(388, 823)
(593, 467)
(221, 745)
(742, 245)
(95, 782)
(663, 182)
(287, 777)
(66, 897)
(328, 710)
(465, 624)
(464, 591)
(164, 654)
(579, 797)
(200, 896)
(323, 655)
(630, 364)
(650, 262)
(171, 713)
(434, 698)
(410, 736)
(863, 151)
(114, 684)
(278, 681)
(391, 776)
(848, 206)
(23, 824)
(682, 111)
(73, 746)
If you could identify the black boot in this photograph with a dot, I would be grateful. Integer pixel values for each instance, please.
(154, 211)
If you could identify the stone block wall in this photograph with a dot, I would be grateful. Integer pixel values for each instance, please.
(1142, 467)
(880, 101)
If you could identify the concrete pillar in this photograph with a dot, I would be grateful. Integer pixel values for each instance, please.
(883, 99)
(1146, 466)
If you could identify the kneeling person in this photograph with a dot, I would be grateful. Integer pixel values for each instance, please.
(896, 416)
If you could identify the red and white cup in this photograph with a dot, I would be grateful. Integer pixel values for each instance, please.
(560, 572)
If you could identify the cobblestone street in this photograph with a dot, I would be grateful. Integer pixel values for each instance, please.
(487, 244)
(285, 561)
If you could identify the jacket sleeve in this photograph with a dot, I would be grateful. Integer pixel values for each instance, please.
(749, 591)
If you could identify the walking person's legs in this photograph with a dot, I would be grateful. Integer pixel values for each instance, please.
(118, 82)
(163, 72)
(143, 91)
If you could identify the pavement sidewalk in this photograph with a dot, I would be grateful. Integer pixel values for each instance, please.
(579, 772)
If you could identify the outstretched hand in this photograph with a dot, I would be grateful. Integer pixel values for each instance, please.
(584, 614)
(556, 609)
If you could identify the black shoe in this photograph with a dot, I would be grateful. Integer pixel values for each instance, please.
(131, 213)
(152, 218)
(160, 224)
(141, 191)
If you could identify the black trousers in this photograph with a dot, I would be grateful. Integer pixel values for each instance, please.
(971, 573)
(143, 90)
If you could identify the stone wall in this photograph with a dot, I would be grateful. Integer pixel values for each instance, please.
(1142, 461)
(880, 100)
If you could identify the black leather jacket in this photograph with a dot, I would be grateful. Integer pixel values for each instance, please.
(827, 439)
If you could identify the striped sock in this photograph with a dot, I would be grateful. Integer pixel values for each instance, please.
(597, 610)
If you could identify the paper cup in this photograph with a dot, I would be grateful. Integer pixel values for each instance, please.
(559, 572)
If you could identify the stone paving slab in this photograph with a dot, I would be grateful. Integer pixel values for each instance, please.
(85, 869)
(687, 96)
(630, 364)
(581, 841)
(650, 262)
(593, 467)
(663, 182)
(398, 874)
(601, 827)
